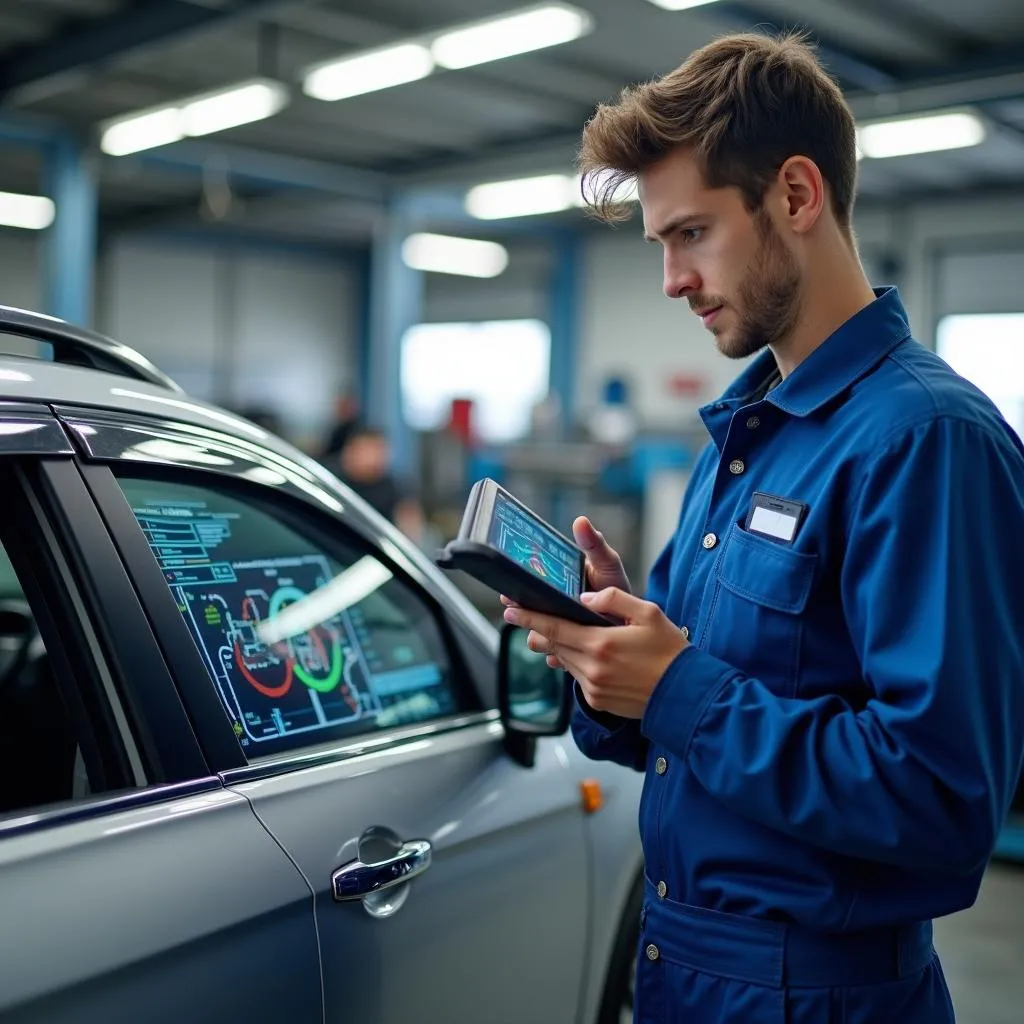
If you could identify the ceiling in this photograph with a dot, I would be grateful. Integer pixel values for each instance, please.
(318, 170)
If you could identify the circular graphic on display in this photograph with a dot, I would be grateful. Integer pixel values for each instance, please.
(315, 658)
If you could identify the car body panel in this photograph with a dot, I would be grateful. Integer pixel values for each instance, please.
(181, 910)
(494, 932)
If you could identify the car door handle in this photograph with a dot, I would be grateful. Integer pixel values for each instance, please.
(355, 880)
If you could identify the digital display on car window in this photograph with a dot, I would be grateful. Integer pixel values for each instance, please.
(301, 648)
(533, 547)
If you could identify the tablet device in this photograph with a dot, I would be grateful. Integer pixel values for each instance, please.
(512, 550)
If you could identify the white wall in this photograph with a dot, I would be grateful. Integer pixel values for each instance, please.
(240, 328)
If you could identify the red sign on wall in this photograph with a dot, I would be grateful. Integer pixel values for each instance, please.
(686, 385)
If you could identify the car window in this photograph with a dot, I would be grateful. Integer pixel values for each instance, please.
(40, 755)
(303, 644)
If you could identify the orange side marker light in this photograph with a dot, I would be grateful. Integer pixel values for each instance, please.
(592, 796)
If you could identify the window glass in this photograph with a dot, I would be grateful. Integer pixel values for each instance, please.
(304, 645)
(988, 349)
(502, 366)
(40, 758)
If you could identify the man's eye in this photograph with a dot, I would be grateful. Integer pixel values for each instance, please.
(691, 234)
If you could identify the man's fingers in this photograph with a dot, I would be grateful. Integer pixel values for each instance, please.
(604, 566)
(557, 631)
(618, 604)
(539, 644)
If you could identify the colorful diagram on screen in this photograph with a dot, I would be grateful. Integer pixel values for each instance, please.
(532, 555)
(304, 681)
(286, 655)
(318, 658)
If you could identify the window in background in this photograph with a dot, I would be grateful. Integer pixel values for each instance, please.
(988, 349)
(502, 365)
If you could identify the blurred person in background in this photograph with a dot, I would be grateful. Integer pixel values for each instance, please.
(344, 424)
(824, 686)
(364, 463)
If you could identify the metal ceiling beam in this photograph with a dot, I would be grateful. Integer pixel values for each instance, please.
(274, 170)
(31, 72)
(850, 68)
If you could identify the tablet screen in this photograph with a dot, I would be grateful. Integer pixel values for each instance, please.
(519, 536)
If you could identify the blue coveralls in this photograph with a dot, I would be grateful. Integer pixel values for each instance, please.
(829, 763)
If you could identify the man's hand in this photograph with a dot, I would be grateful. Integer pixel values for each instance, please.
(603, 564)
(602, 567)
(617, 667)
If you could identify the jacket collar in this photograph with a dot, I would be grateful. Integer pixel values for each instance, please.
(850, 352)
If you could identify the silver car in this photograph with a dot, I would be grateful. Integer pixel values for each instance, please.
(259, 759)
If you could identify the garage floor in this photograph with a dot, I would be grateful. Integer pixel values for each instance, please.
(982, 951)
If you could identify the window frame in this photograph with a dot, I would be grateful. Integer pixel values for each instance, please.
(61, 543)
(209, 719)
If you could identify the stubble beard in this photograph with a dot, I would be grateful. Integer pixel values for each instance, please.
(769, 297)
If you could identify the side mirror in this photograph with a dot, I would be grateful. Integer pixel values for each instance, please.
(534, 699)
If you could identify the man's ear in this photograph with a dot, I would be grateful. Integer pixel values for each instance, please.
(802, 194)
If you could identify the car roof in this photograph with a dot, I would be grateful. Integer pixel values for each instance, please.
(115, 378)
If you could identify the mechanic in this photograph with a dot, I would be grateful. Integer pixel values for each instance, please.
(825, 683)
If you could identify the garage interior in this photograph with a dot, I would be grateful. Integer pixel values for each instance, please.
(293, 267)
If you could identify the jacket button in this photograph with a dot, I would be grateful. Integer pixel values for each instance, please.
(661, 766)
(753, 423)
(736, 467)
(662, 890)
(685, 632)
(652, 952)
(710, 540)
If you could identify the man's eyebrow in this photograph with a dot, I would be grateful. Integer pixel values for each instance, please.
(674, 225)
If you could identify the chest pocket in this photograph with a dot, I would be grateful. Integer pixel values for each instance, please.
(754, 618)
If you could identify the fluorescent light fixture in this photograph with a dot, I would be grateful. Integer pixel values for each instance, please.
(142, 131)
(521, 197)
(680, 5)
(31, 212)
(533, 28)
(928, 133)
(524, 197)
(209, 112)
(444, 254)
(368, 72)
(227, 108)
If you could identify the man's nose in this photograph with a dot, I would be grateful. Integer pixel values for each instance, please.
(680, 280)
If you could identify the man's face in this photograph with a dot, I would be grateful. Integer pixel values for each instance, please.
(730, 265)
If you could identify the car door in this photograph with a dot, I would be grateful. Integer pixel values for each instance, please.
(133, 885)
(367, 741)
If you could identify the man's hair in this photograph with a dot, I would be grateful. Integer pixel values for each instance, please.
(745, 104)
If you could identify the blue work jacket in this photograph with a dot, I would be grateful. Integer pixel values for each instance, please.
(839, 745)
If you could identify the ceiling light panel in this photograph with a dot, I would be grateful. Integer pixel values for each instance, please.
(522, 197)
(929, 133)
(534, 28)
(228, 108)
(33, 213)
(445, 254)
(204, 114)
(369, 72)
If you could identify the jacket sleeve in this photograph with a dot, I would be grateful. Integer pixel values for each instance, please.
(921, 776)
(606, 737)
